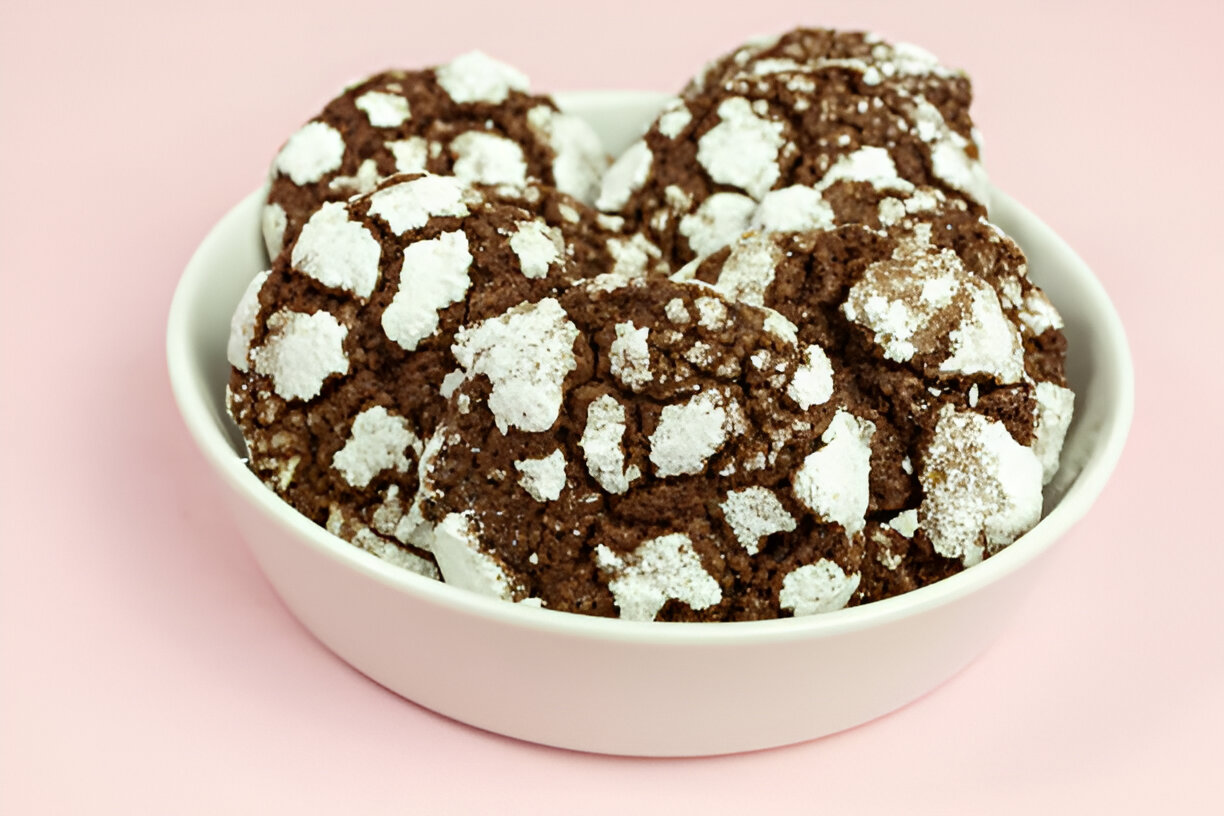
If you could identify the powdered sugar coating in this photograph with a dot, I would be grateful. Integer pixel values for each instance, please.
(544, 478)
(579, 160)
(601, 445)
(384, 110)
(834, 481)
(538, 246)
(629, 356)
(627, 174)
(743, 149)
(311, 153)
(923, 301)
(433, 276)
(487, 158)
(526, 353)
(982, 488)
(338, 252)
(272, 223)
(456, 546)
(300, 352)
(748, 270)
(660, 570)
(411, 155)
(815, 588)
(688, 434)
(754, 513)
(1054, 409)
(379, 440)
(719, 220)
(410, 204)
(674, 119)
(792, 209)
(812, 383)
(476, 77)
(242, 324)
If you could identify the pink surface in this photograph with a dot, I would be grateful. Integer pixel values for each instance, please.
(146, 666)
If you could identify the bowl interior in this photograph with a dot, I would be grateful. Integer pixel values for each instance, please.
(1099, 370)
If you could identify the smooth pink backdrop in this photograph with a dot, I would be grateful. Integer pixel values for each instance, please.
(147, 667)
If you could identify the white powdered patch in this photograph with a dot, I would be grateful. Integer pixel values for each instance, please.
(456, 546)
(272, 224)
(907, 59)
(677, 312)
(433, 276)
(793, 209)
(978, 483)
(300, 352)
(537, 246)
(526, 353)
(543, 479)
(711, 313)
(985, 341)
(337, 252)
(777, 325)
(632, 257)
(626, 176)
(765, 67)
(476, 77)
(819, 587)
(411, 154)
(450, 382)
(742, 150)
(487, 158)
(749, 269)
(1039, 314)
(922, 300)
(384, 110)
(905, 523)
(659, 570)
(311, 153)
(890, 212)
(719, 220)
(388, 551)
(1054, 409)
(754, 513)
(833, 482)
(363, 181)
(949, 160)
(601, 445)
(688, 434)
(873, 165)
(242, 323)
(378, 441)
(410, 204)
(579, 160)
(812, 383)
(629, 356)
(674, 119)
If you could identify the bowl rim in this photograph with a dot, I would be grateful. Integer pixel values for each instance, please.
(191, 393)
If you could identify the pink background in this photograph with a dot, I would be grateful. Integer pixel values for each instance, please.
(145, 664)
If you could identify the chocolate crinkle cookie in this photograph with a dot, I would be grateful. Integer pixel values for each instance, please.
(341, 352)
(655, 450)
(473, 118)
(810, 109)
(947, 338)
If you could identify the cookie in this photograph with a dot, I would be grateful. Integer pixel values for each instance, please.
(473, 117)
(341, 352)
(812, 110)
(653, 450)
(964, 358)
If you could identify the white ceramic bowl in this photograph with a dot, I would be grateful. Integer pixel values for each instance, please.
(658, 689)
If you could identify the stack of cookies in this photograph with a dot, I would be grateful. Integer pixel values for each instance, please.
(773, 360)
